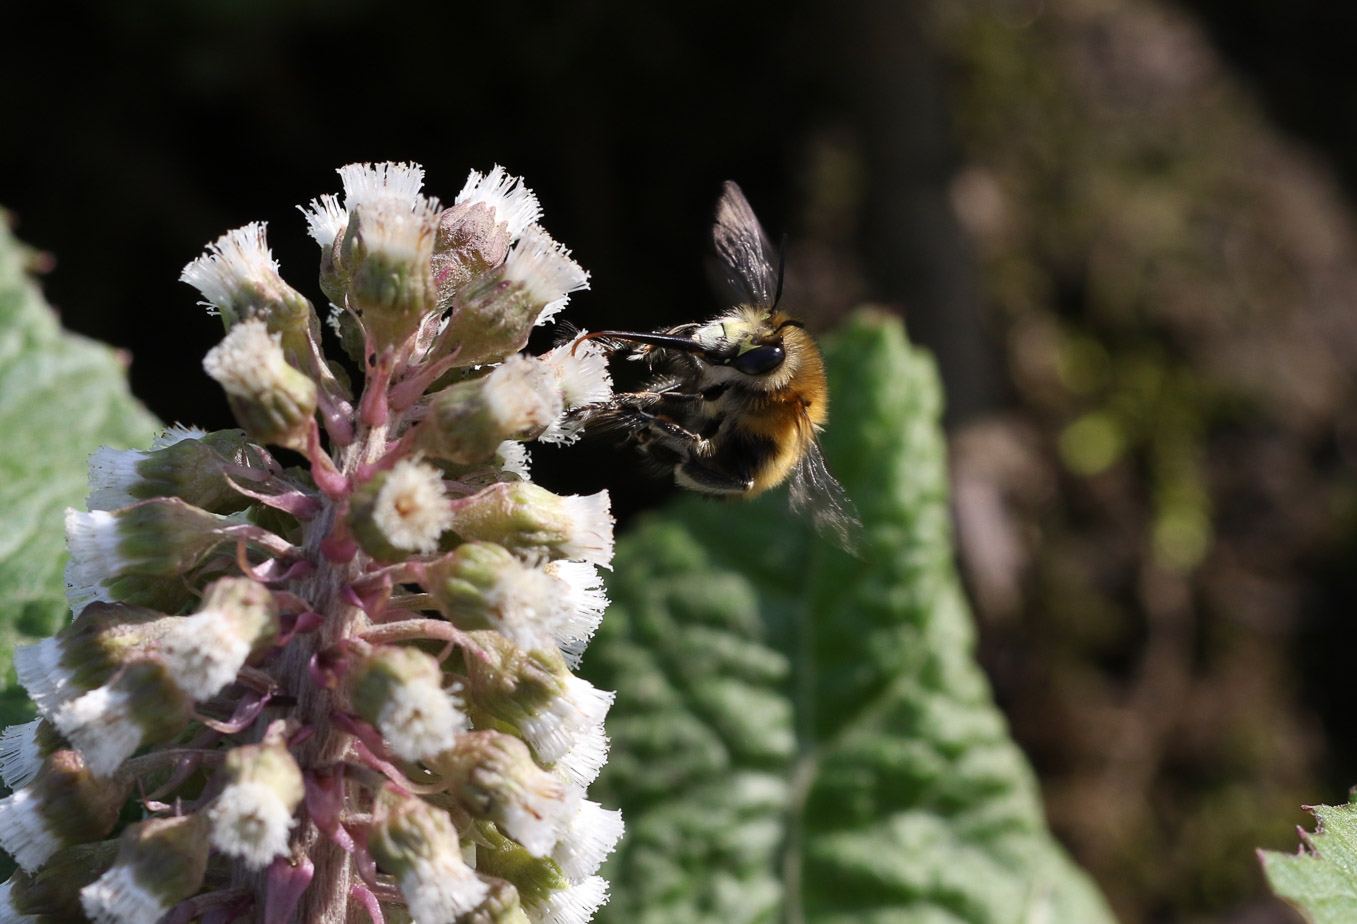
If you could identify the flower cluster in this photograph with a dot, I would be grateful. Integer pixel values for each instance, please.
(311, 692)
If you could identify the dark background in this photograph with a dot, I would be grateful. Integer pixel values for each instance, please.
(878, 135)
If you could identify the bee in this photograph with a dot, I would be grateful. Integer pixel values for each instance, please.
(744, 396)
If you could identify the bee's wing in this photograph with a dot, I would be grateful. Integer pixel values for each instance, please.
(746, 261)
(815, 493)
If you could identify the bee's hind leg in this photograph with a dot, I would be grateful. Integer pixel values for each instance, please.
(695, 476)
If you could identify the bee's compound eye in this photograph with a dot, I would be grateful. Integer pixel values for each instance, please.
(760, 360)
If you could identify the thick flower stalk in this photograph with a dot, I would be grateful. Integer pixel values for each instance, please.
(339, 690)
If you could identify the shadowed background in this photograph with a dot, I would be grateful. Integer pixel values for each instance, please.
(1123, 226)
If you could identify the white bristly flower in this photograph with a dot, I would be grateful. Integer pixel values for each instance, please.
(326, 219)
(25, 833)
(204, 652)
(582, 378)
(237, 258)
(545, 270)
(588, 752)
(575, 905)
(556, 727)
(366, 184)
(248, 361)
(420, 719)
(418, 844)
(250, 821)
(592, 538)
(101, 725)
(40, 672)
(581, 603)
(20, 754)
(119, 897)
(519, 395)
(587, 840)
(411, 509)
(513, 203)
(93, 541)
(514, 458)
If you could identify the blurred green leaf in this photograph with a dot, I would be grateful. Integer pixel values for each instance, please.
(803, 736)
(1321, 880)
(61, 397)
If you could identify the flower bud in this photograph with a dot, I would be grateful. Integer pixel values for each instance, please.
(183, 463)
(481, 585)
(494, 313)
(66, 804)
(239, 278)
(53, 892)
(474, 235)
(162, 537)
(494, 777)
(160, 863)
(529, 519)
(238, 620)
(468, 421)
(271, 400)
(256, 809)
(400, 690)
(141, 704)
(400, 512)
(85, 654)
(501, 906)
(388, 248)
(417, 844)
(534, 695)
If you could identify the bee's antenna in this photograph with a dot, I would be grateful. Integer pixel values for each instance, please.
(781, 267)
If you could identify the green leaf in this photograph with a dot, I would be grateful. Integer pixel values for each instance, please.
(61, 397)
(1321, 880)
(803, 736)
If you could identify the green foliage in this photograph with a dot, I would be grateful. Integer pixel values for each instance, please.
(803, 736)
(1320, 880)
(61, 397)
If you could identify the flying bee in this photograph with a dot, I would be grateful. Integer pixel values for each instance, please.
(743, 396)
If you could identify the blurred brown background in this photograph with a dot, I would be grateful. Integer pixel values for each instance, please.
(1124, 226)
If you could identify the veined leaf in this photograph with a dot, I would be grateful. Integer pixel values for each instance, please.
(1321, 880)
(804, 736)
(61, 397)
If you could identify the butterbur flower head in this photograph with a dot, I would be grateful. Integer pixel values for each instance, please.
(481, 585)
(495, 777)
(202, 653)
(255, 811)
(190, 465)
(65, 804)
(239, 278)
(419, 845)
(532, 521)
(273, 401)
(160, 862)
(467, 422)
(283, 668)
(401, 512)
(400, 690)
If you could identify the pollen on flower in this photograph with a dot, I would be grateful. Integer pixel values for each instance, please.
(237, 258)
(513, 203)
(419, 719)
(412, 508)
